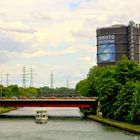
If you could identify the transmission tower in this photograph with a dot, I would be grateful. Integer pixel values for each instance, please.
(31, 77)
(52, 80)
(24, 78)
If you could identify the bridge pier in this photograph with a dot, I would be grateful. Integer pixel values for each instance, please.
(92, 109)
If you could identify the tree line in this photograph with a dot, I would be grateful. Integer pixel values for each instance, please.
(117, 89)
(13, 91)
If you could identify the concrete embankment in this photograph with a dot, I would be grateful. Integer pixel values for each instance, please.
(121, 125)
(6, 109)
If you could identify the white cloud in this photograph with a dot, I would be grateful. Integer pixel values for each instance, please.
(16, 27)
(41, 53)
(86, 59)
(38, 29)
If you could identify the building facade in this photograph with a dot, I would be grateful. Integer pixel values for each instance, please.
(117, 40)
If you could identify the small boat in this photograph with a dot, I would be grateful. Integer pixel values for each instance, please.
(41, 116)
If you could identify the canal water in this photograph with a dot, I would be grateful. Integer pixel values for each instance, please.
(64, 124)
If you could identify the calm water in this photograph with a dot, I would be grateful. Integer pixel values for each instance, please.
(25, 128)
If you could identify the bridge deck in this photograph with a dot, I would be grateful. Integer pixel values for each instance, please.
(58, 102)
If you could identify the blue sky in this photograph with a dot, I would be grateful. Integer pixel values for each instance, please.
(57, 36)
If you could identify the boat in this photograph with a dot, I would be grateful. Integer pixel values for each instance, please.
(41, 116)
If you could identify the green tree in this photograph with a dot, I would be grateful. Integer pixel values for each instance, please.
(96, 76)
(124, 101)
(108, 90)
(127, 70)
(45, 91)
(63, 92)
(134, 114)
(83, 88)
(117, 89)
(12, 91)
(31, 92)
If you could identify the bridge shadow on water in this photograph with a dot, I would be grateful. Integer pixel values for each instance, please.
(53, 113)
(33, 117)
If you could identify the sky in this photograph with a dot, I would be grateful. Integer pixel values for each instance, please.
(55, 36)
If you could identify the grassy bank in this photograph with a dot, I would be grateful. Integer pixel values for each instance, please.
(6, 109)
(125, 126)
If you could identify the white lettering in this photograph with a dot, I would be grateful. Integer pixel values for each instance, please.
(106, 39)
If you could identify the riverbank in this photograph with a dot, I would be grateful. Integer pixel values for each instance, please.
(6, 109)
(121, 125)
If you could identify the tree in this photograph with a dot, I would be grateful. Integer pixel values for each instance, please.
(45, 91)
(108, 91)
(117, 89)
(63, 92)
(12, 91)
(124, 101)
(31, 92)
(96, 76)
(83, 88)
(134, 114)
(127, 70)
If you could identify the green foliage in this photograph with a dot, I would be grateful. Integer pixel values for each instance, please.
(6, 109)
(31, 92)
(13, 91)
(59, 92)
(45, 91)
(108, 91)
(134, 114)
(117, 89)
(124, 126)
(10, 91)
(127, 70)
(124, 101)
(83, 88)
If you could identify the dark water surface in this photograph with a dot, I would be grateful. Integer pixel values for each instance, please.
(20, 128)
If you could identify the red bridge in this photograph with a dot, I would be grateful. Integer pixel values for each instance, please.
(47, 102)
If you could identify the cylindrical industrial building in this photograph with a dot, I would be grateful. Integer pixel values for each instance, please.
(118, 40)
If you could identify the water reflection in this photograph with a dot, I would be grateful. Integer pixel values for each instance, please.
(57, 128)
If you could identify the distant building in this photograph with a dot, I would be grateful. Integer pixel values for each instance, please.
(117, 40)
